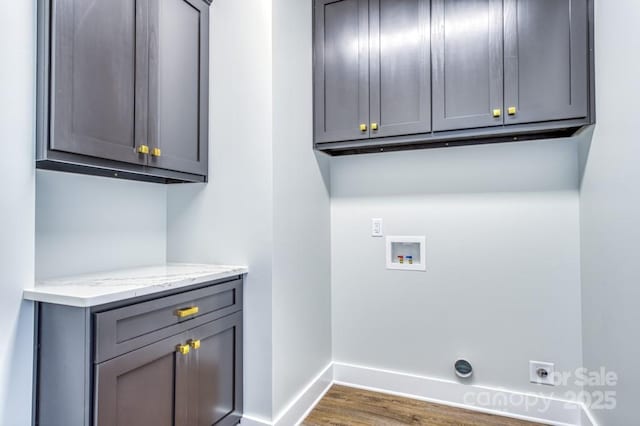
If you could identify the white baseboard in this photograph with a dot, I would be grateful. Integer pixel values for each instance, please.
(500, 402)
(301, 405)
(587, 418)
(248, 420)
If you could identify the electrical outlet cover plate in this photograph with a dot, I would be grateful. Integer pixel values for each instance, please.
(376, 227)
(534, 377)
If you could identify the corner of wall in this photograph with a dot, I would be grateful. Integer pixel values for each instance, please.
(17, 215)
(584, 140)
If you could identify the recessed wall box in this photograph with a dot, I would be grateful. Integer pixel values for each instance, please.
(406, 253)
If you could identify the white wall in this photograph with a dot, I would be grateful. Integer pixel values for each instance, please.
(610, 208)
(17, 181)
(502, 283)
(302, 228)
(87, 224)
(230, 220)
(267, 202)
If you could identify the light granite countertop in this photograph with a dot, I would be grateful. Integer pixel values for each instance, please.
(113, 286)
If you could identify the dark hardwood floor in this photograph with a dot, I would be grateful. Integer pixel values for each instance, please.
(344, 406)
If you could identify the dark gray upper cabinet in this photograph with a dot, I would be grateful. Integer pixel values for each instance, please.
(341, 70)
(178, 117)
(467, 64)
(450, 72)
(400, 67)
(371, 80)
(546, 60)
(123, 88)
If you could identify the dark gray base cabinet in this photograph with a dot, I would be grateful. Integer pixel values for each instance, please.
(406, 74)
(123, 88)
(141, 363)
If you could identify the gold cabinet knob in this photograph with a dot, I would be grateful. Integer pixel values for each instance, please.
(512, 110)
(187, 312)
(183, 349)
(363, 127)
(374, 126)
(156, 152)
(497, 113)
(195, 344)
(143, 149)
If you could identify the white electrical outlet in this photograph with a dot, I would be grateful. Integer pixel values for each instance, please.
(376, 227)
(541, 373)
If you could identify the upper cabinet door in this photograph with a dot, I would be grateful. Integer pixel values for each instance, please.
(99, 69)
(341, 70)
(179, 85)
(467, 39)
(546, 60)
(400, 67)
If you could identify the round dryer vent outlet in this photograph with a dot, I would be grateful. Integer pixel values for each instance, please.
(463, 368)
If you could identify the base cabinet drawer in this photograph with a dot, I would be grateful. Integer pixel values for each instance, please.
(123, 330)
(178, 372)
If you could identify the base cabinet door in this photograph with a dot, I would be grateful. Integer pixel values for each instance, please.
(146, 387)
(215, 374)
(546, 60)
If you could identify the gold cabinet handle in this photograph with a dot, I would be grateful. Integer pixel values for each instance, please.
(497, 113)
(183, 313)
(143, 149)
(183, 349)
(512, 110)
(374, 126)
(195, 344)
(156, 152)
(363, 127)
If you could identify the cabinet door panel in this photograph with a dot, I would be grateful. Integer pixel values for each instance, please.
(144, 387)
(400, 67)
(179, 85)
(467, 63)
(546, 59)
(99, 68)
(216, 373)
(341, 70)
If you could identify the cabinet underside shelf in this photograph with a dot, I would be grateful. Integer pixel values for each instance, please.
(452, 139)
